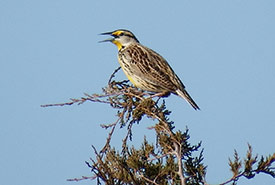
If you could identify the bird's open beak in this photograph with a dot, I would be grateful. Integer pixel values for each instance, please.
(109, 39)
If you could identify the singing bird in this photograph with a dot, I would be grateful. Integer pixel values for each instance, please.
(145, 68)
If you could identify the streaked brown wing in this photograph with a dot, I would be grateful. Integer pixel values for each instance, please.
(151, 67)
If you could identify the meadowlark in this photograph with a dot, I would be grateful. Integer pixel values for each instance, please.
(145, 68)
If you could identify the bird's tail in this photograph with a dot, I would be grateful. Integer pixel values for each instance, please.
(184, 94)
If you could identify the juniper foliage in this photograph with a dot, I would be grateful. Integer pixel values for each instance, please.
(172, 159)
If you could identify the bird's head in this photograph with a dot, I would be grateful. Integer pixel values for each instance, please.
(121, 38)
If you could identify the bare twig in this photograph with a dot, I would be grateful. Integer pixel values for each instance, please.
(93, 98)
(178, 154)
(148, 180)
(113, 75)
(82, 178)
(107, 144)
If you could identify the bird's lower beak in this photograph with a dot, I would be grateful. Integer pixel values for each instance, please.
(107, 40)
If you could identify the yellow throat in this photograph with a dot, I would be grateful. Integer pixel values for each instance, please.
(118, 44)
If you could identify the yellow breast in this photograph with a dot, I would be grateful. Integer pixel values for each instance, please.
(130, 76)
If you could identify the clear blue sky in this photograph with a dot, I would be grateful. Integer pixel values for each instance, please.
(49, 52)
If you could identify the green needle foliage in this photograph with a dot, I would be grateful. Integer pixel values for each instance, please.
(172, 159)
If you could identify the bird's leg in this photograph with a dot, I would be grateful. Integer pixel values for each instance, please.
(161, 94)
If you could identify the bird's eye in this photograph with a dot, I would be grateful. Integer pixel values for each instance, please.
(121, 34)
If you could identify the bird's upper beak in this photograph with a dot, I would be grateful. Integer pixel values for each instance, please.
(109, 39)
